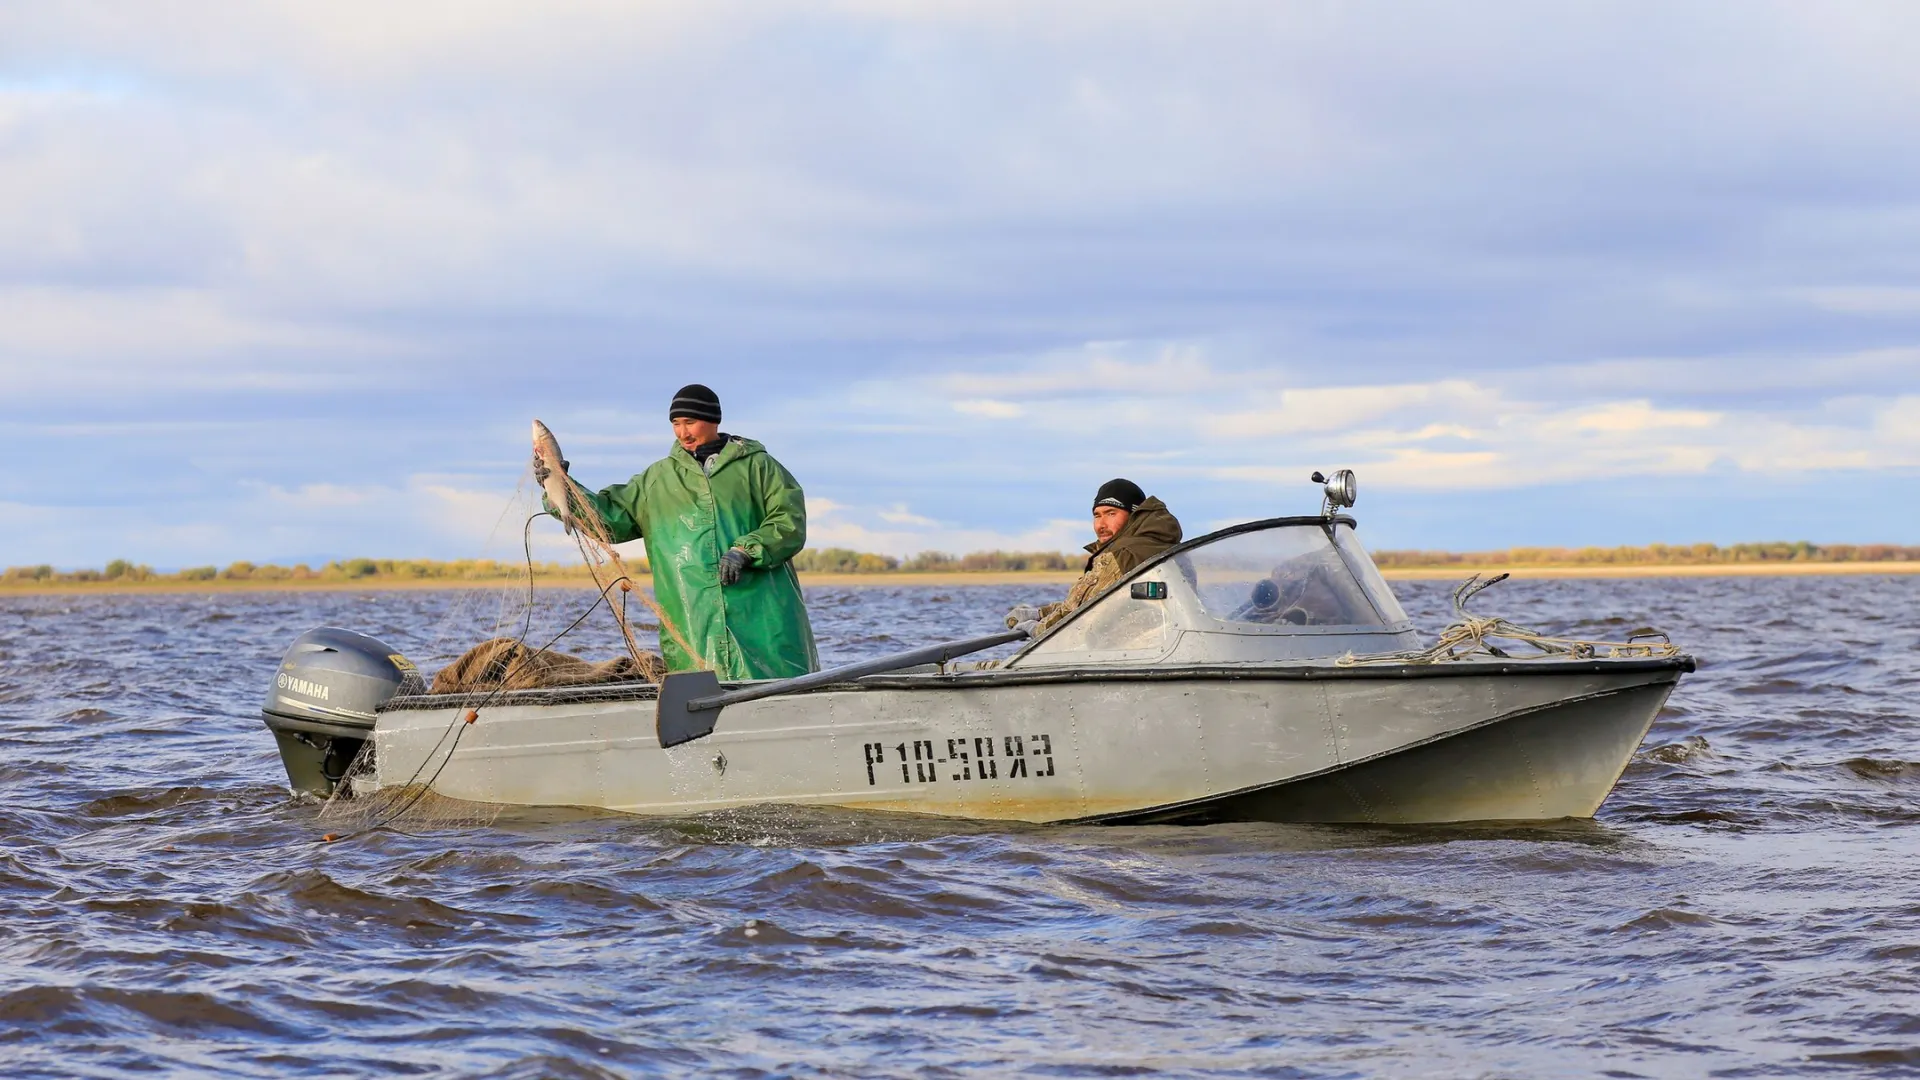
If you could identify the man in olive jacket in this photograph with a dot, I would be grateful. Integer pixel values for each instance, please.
(1129, 528)
(722, 520)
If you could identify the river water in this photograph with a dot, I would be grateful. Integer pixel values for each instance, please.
(1746, 904)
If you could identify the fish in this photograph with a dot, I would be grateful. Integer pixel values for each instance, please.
(558, 491)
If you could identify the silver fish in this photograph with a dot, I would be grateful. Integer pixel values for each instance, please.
(559, 492)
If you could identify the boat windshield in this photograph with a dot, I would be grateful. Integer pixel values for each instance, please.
(1292, 575)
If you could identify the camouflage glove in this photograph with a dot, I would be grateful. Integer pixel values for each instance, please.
(1022, 613)
(732, 563)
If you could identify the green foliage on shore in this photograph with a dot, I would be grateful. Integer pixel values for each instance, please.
(121, 572)
(845, 561)
(372, 571)
(1653, 555)
(941, 562)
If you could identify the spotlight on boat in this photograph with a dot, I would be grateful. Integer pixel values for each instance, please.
(1341, 491)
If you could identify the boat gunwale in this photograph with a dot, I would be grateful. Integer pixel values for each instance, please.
(1267, 671)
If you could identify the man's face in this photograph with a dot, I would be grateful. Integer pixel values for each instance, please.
(1108, 520)
(694, 434)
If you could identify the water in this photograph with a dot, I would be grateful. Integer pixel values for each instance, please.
(1747, 903)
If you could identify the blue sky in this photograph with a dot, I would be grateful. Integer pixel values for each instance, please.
(286, 281)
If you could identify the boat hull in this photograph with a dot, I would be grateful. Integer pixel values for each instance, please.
(1423, 743)
(1560, 761)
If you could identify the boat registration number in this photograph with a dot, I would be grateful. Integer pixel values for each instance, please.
(983, 757)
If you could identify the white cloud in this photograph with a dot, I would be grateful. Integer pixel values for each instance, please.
(420, 515)
(989, 408)
(903, 533)
(174, 339)
(900, 515)
(1248, 424)
(1636, 416)
(1886, 299)
(1342, 408)
(1899, 422)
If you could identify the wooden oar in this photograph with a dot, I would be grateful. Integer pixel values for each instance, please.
(690, 701)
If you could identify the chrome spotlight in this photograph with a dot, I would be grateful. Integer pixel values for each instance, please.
(1341, 491)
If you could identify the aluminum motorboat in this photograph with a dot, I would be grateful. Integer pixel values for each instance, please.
(1262, 672)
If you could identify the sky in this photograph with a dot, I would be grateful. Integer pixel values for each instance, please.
(287, 281)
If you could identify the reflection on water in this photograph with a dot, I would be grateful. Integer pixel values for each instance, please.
(1746, 903)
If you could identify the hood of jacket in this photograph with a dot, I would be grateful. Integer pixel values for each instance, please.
(736, 449)
(1149, 530)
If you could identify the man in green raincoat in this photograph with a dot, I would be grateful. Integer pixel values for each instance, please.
(722, 520)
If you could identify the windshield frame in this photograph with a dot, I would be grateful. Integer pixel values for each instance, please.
(1325, 523)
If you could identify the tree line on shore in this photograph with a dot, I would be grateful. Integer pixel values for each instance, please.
(1654, 555)
(121, 571)
(810, 561)
(846, 561)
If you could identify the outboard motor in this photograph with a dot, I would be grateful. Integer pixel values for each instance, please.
(321, 704)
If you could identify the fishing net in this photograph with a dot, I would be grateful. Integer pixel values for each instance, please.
(363, 800)
(407, 808)
(507, 664)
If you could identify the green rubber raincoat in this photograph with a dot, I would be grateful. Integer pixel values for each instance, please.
(756, 628)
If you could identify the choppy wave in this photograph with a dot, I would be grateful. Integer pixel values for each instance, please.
(1745, 904)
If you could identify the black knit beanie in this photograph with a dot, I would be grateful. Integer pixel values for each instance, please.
(695, 402)
(1124, 494)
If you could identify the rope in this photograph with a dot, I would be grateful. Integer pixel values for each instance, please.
(1469, 637)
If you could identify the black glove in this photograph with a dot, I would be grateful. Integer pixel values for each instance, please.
(541, 472)
(732, 563)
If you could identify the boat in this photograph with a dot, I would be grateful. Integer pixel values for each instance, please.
(1263, 672)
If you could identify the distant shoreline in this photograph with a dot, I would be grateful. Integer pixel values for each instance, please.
(929, 578)
(950, 579)
(1752, 569)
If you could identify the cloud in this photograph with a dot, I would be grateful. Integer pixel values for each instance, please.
(1639, 416)
(1868, 299)
(971, 259)
(420, 516)
(989, 408)
(1899, 421)
(1449, 434)
(121, 340)
(900, 515)
(902, 532)
(1337, 408)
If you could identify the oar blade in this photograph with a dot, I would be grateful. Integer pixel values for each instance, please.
(673, 722)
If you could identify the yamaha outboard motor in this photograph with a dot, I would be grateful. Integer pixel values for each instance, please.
(321, 704)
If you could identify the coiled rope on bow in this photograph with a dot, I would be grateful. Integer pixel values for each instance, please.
(1469, 636)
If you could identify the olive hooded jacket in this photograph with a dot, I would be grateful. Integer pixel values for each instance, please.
(1150, 530)
(756, 628)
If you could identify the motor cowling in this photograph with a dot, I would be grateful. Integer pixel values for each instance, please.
(321, 704)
